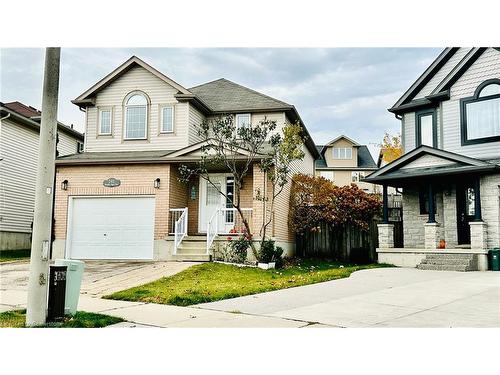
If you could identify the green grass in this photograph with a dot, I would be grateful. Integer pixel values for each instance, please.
(214, 281)
(17, 319)
(12, 255)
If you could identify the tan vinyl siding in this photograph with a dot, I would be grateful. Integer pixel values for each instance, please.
(487, 66)
(160, 93)
(195, 119)
(443, 72)
(19, 154)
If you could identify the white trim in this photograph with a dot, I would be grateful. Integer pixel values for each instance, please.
(69, 218)
(99, 119)
(241, 115)
(202, 227)
(162, 107)
(126, 106)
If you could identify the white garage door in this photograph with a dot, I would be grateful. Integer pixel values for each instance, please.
(111, 228)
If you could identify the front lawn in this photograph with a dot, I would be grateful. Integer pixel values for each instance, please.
(215, 281)
(17, 319)
(11, 255)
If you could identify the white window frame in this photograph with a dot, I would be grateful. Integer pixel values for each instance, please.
(127, 98)
(99, 128)
(342, 150)
(162, 130)
(241, 115)
(356, 176)
(328, 172)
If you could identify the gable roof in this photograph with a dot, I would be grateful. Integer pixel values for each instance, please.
(452, 163)
(226, 96)
(86, 97)
(31, 117)
(356, 144)
(365, 159)
(441, 91)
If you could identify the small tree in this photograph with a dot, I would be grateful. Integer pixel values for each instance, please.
(236, 149)
(391, 147)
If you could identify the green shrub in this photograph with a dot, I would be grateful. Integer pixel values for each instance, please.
(269, 252)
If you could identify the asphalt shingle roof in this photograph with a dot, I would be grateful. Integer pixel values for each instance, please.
(365, 159)
(223, 95)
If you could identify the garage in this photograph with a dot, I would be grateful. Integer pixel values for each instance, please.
(108, 227)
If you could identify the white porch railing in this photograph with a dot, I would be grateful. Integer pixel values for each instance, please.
(227, 221)
(180, 225)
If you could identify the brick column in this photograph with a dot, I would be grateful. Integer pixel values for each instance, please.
(385, 236)
(431, 235)
(478, 235)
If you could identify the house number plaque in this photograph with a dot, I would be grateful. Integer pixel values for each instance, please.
(111, 182)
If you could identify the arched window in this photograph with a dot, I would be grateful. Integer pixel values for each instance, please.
(136, 116)
(480, 114)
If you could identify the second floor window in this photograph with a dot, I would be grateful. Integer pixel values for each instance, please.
(481, 114)
(426, 130)
(104, 121)
(242, 120)
(342, 153)
(167, 119)
(136, 117)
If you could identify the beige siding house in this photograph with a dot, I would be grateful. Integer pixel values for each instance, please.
(345, 162)
(122, 199)
(450, 170)
(19, 137)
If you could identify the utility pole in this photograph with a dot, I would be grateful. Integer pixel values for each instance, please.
(42, 224)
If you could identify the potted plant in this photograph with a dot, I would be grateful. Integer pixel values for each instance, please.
(270, 256)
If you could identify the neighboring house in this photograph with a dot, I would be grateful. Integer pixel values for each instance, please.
(122, 199)
(450, 169)
(346, 162)
(19, 142)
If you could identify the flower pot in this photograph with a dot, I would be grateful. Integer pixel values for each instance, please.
(267, 266)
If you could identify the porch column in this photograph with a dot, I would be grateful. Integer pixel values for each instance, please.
(477, 199)
(432, 209)
(385, 205)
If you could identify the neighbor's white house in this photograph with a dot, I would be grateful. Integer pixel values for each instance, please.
(450, 170)
(121, 198)
(19, 142)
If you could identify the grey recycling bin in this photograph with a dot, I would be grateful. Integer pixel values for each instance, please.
(73, 282)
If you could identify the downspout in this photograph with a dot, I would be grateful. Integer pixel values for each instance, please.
(6, 117)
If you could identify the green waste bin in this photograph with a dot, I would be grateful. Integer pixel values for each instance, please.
(74, 277)
(495, 259)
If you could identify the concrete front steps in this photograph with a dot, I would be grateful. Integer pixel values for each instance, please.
(193, 249)
(449, 262)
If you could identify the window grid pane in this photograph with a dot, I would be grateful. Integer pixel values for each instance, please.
(136, 122)
(483, 119)
(168, 120)
(242, 121)
(105, 122)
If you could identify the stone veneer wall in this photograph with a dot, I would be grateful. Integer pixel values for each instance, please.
(450, 216)
(413, 222)
(490, 208)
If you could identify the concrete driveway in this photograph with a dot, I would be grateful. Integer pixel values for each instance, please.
(385, 297)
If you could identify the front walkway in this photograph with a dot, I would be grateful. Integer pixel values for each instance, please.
(384, 297)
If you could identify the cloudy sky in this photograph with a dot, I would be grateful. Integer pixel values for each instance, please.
(336, 90)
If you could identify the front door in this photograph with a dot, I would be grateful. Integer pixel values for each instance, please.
(212, 200)
(465, 212)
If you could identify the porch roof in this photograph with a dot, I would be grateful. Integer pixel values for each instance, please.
(427, 162)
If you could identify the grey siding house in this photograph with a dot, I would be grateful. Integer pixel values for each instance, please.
(450, 169)
(19, 136)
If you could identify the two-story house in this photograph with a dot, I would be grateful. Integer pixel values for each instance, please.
(19, 141)
(450, 170)
(346, 162)
(122, 199)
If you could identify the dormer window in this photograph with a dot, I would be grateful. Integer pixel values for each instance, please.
(242, 120)
(480, 114)
(136, 116)
(342, 153)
